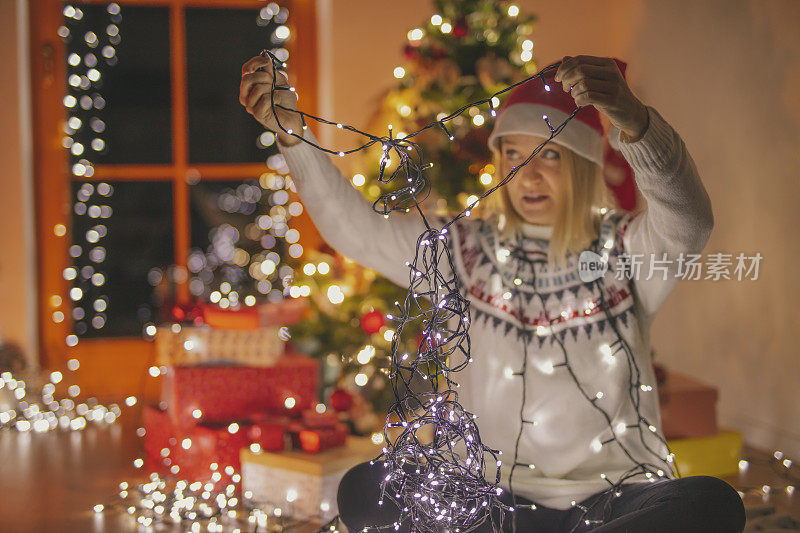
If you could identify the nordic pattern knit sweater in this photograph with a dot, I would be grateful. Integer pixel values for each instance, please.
(556, 441)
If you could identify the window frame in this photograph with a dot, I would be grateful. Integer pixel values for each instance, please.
(117, 366)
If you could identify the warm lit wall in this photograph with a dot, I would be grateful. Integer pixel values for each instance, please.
(725, 74)
(17, 264)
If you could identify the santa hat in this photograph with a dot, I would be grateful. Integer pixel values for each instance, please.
(523, 109)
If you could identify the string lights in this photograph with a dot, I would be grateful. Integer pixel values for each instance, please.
(84, 128)
(661, 464)
(213, 505)
(779, 464)
(41, 413)
(245, 257)
(443, 481)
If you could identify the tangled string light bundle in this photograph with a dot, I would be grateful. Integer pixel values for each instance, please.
(435, 463)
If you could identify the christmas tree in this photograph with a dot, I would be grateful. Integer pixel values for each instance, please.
(466, 51)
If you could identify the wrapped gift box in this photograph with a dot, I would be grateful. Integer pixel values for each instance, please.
(210, 445)
(316, 440)
(194, 449)
(225, 393)
(202, 345)
(716, 456)
(326, 419)
(688, 407)
(159, 434)
(303, 485)
(271, 436)
(283, 313)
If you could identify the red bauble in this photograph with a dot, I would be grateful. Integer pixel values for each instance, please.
(460, 28)
(426, 343)
(341, 400)
(372, 322)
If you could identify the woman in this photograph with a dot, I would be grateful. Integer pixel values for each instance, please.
(561, 378)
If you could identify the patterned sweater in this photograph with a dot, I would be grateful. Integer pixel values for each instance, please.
(554, 437)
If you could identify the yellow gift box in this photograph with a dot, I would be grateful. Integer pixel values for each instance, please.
(716, 456)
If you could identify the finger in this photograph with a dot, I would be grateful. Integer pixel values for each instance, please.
(594, 85)
(582, 71)
(281, 80)
(566, 64)
(593, 98)
(594, 60)
(257, 91)
(569, 63)
(253, 77)
(259, 107)
(254, 63)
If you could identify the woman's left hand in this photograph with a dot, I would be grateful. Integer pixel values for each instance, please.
(598, 81)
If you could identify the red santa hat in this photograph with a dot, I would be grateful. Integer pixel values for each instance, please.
(526, 105)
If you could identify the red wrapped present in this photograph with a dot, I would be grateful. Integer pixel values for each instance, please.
(159, 435)
(688, 407)
(223, 393)
(293, 429)
(320, 439)
(312, 419)
(269, 435)
(197, 451)
(205, 449)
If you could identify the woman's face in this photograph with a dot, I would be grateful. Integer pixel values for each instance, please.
(535, 190)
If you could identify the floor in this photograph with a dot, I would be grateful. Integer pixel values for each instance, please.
(51, 481)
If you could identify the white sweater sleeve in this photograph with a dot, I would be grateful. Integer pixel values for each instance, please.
(346, 220)
(678, 219)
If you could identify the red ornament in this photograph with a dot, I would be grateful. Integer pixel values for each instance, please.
(427, 342)
(372, 322)
(341, 400)
(410, 52)
(460, 28)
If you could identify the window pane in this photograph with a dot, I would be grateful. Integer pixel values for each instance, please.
(121, 246)
(118, 75)
(241, 239)
(219, 41)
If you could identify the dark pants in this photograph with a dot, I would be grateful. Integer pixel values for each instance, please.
(698, 504)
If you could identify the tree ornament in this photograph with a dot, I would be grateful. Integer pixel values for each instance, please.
(341, 400)
(372, 322)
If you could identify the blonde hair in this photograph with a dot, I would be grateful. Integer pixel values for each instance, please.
(583, 198)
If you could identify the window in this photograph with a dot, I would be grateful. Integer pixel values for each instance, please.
(137, 125)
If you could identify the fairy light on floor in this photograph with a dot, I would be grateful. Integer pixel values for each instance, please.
(779, 464)
(214, 504)
(41, 412)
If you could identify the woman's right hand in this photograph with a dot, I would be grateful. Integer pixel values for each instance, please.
(255, 94)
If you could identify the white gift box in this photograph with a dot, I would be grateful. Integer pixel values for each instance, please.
(198, 345)
(303, 485)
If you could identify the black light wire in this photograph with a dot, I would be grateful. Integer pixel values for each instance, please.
(418, 475)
